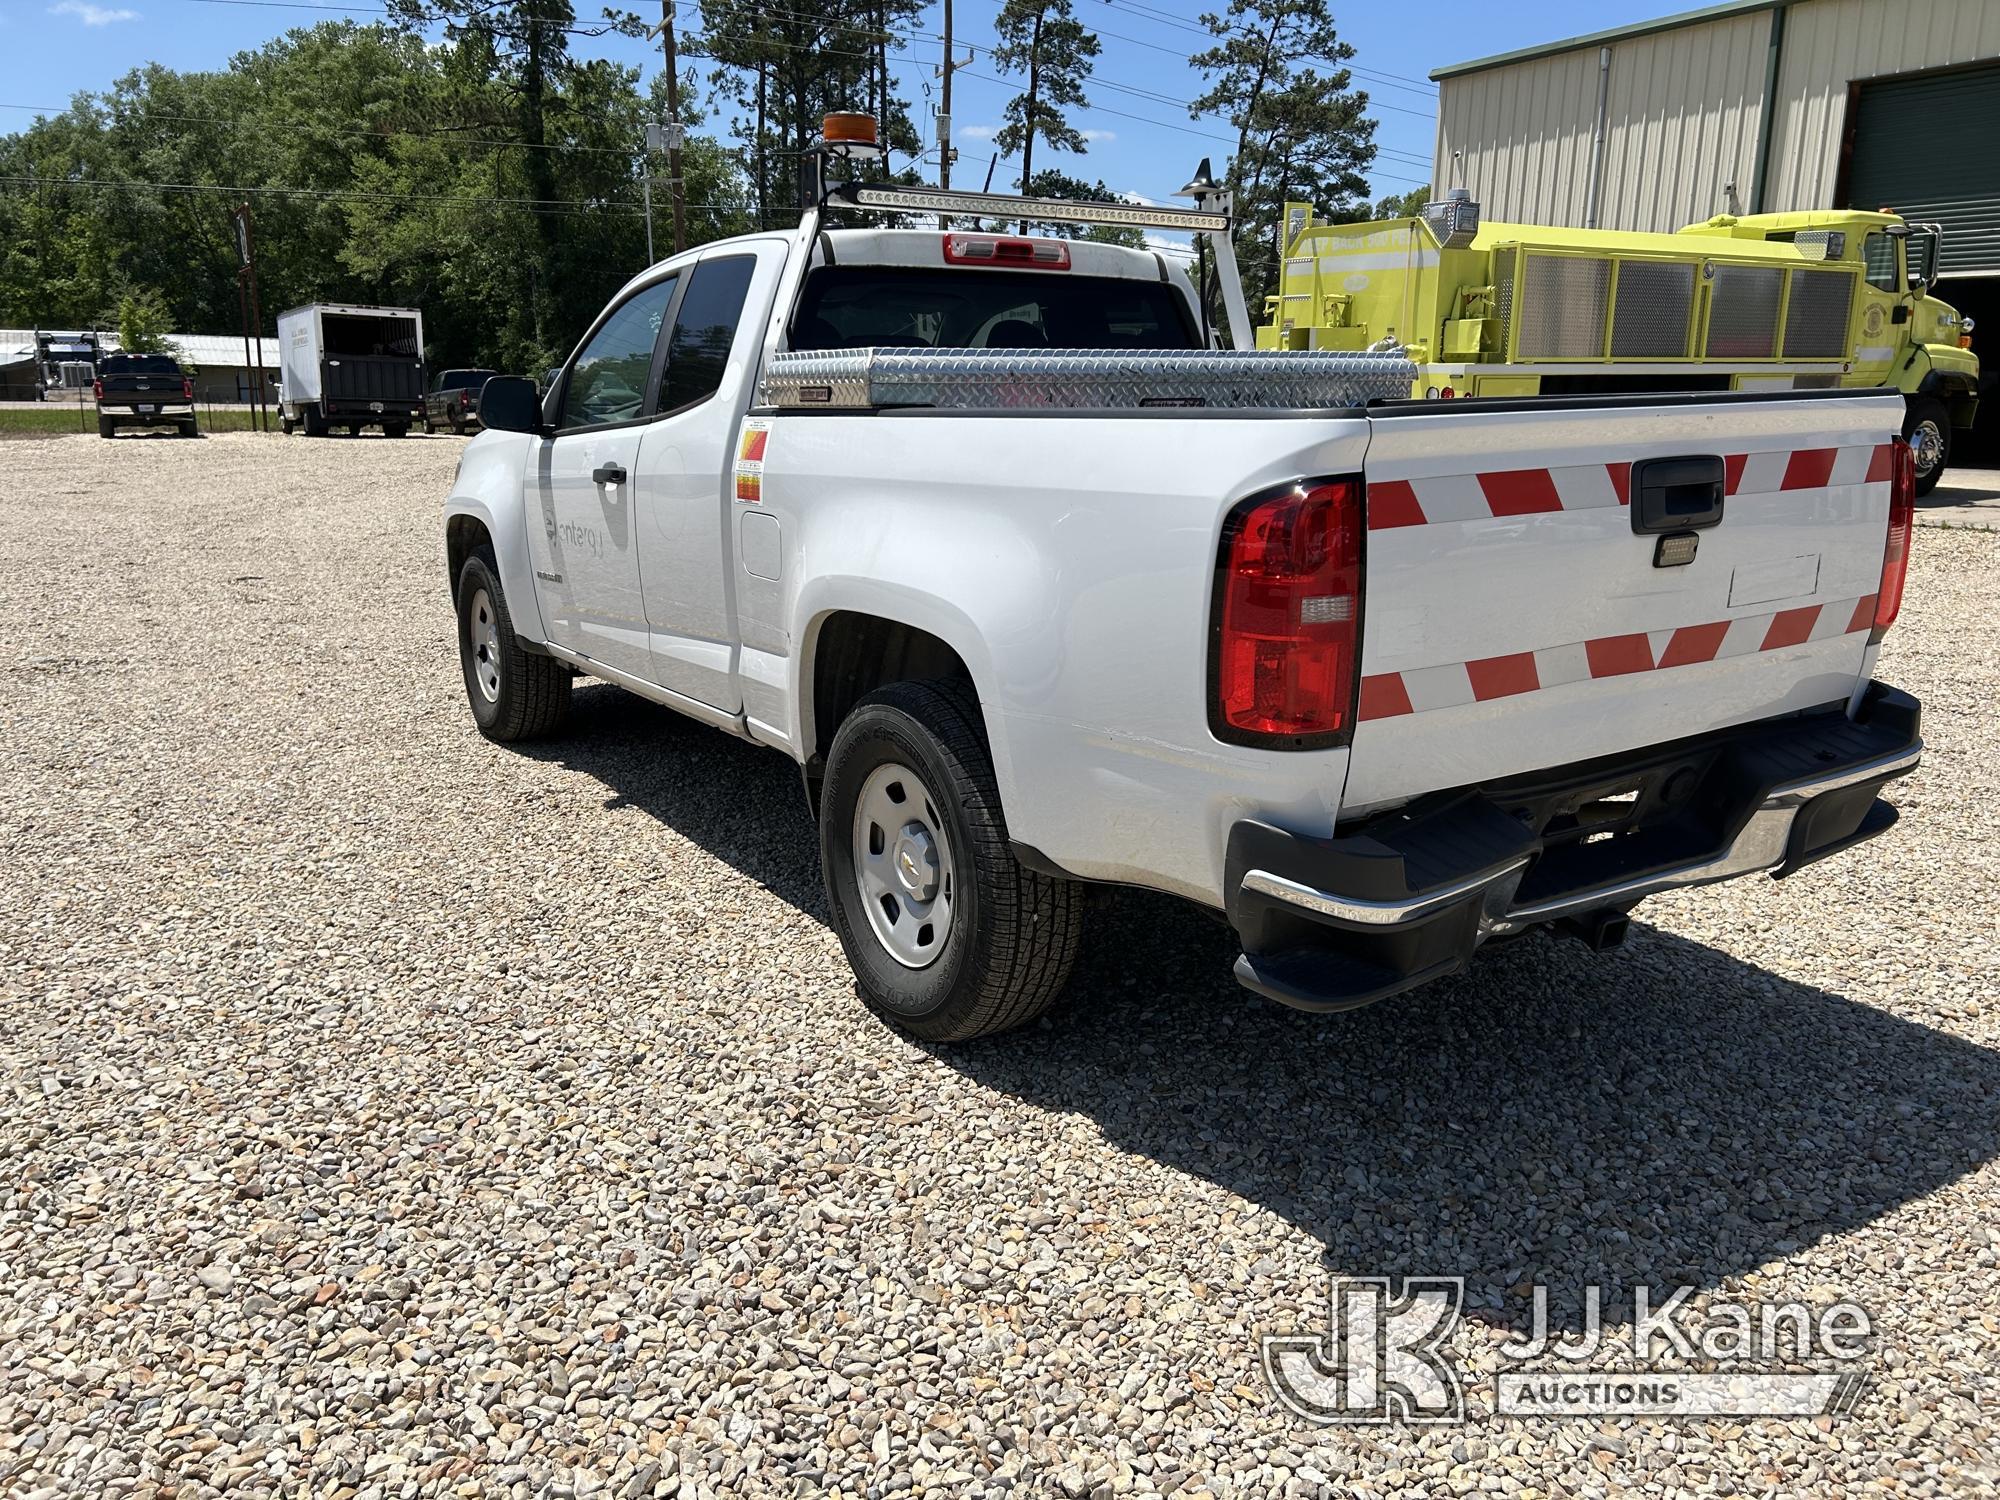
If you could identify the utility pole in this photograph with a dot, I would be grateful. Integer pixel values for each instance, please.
(665, 31)
(944, 108)
(253, 323)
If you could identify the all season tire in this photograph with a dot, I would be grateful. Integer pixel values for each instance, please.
(1927, 429)
(949, 937)
(190, 428)
(515, 694)
(396, 430)
(457, 422)
(314, 423)
(106, 427)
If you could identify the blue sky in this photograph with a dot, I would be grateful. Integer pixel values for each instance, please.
(1141, 142)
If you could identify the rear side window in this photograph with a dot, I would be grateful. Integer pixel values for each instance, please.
(704, 330)
(855, 307)
(608, 381)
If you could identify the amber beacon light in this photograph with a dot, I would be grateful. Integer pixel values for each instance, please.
(851, 134)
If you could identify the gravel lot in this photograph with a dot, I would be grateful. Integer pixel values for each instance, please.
(389, 1113)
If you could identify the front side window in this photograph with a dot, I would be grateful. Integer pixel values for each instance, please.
(607, 383)
(704, 329)
(1879, 253)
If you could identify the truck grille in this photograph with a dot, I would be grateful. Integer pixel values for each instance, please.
(1650, 319)
(1816, 314)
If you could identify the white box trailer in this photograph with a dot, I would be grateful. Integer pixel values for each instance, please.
(352, 367)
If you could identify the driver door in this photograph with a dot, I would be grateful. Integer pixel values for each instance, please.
(586, 550)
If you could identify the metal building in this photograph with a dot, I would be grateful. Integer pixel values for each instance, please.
(1750, 106)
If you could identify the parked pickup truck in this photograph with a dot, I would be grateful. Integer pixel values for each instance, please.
(143, 390)
(453, 401)
(1040, 591)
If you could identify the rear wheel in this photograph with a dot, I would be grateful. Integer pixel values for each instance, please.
(105, 426)
(1927, 428)
(189, 427)
(396, 429)
(458, 421)
(315, 421)
(285, 421)
(949, 937)
(515, 694)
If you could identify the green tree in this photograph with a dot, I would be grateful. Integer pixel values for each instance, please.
(1277, 73)
(1403, 205)
(1043, 40)
(381, 169)
(142, 323)
(1049, 183)
(780, 71)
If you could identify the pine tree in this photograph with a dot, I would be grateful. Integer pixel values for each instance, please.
(1043, 40)
(1278, 74)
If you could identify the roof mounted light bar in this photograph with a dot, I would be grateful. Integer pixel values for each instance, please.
(889, 197)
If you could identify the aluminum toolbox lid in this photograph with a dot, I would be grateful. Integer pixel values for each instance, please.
(1083, 379)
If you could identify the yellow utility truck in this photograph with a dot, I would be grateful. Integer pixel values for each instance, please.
(1753, 302)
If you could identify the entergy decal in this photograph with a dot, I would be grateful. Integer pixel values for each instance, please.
(750, 441)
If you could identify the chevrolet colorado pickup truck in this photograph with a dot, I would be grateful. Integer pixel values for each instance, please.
(1039, 590)
(143, 390)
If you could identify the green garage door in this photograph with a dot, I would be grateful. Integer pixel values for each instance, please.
(1926, 147)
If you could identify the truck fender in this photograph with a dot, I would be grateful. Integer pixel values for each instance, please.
(1957, 389)
(488, 495)
(933, 606)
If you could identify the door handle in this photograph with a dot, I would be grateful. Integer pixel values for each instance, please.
(609, 474)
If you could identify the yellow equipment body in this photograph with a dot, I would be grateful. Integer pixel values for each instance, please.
(1795, 301)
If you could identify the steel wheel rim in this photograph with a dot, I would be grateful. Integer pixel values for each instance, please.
(903, 865)
(1928, 445)
(484, 630)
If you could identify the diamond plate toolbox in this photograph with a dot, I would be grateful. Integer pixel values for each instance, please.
(1083, 379)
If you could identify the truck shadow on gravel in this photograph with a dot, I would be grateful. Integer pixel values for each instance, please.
(1663, 1115)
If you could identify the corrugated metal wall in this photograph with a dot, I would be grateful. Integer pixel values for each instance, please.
(1828, 44)
(1684, 110)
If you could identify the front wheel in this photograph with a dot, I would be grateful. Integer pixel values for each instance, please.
(1927, 429)
(515, 694)
(949, 937)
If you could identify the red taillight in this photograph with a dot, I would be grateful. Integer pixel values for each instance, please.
(1896, 554)
(97, 390)
(1288, 617)
(187, 389)
(1001, 250)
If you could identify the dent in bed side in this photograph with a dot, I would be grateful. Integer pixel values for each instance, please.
(488, 491)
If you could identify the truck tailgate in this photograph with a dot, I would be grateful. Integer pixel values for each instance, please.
(1515, 621)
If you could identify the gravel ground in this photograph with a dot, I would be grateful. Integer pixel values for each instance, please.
(389, 1113)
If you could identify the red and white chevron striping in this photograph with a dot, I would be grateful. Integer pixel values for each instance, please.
(1505, 493)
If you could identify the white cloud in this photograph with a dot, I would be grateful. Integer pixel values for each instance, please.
(92, 15)
(1098, 135)
(976, 132)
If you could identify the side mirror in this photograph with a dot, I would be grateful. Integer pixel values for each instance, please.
(508, 403)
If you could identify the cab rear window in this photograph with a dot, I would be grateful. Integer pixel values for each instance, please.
(888, 307)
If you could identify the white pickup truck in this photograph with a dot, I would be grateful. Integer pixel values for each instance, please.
(1039, 590)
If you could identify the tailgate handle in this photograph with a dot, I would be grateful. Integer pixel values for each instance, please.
(1676, 494)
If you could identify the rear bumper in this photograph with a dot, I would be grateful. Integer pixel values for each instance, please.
(167, 412)
(1329, 924)
(355, 408)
